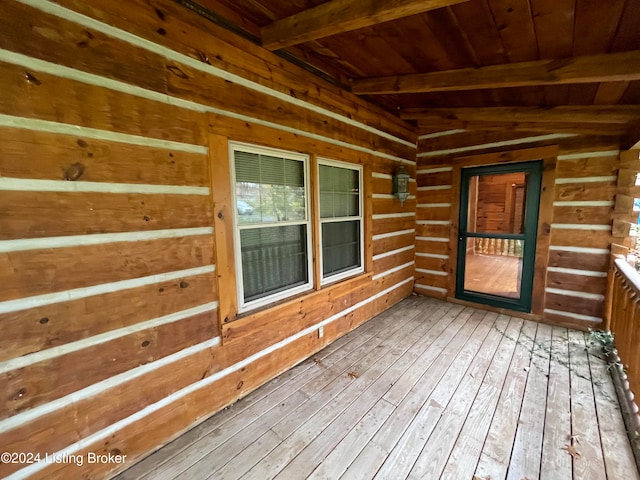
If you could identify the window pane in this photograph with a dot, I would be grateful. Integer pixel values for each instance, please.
(273, 259)
(342, 186)
(340, 247)
(269, 189)
(497, 202)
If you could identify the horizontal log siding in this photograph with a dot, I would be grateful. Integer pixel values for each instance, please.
(112, 341)
(580, 234)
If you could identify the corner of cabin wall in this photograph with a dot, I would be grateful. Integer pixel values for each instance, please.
(114, 277)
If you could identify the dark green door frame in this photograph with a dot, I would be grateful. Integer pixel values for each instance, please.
(534, 180)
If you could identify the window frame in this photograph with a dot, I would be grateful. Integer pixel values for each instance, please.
(320, 221)
(244, 306)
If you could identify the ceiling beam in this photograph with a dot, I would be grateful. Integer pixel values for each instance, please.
(600, 129)
(612, 67)
(337, 16)
(582, 114)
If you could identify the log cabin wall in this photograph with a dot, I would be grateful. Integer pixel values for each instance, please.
(579, 235)
(117, 308)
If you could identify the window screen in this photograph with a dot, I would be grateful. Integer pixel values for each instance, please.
(340, 220)
(272, 223)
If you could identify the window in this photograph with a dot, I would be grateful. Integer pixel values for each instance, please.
(273, 240)
(340, 220)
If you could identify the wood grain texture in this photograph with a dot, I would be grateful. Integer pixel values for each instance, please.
(35, 329)
(92, 415)
(596, 262)
(587, 167)
(95, 107)
(216, 92)
(390, 225)
(387, 263)
(151, 431)
(585, 69)
(29, 273)
(340, 16)
(53, 214)
(31, 154)
(170, 25)
(41, 382)
(31, 32)
(583, 215)
(571, 304)
(392, 243)
(585, 192)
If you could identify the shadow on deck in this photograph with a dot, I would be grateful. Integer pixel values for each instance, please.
(425, 390)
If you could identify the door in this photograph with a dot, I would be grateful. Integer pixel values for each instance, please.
(497, 234)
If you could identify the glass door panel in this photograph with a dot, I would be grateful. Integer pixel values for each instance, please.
(494, 266)
(497, 233)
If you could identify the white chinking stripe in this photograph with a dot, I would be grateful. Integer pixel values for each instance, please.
(540, 138)
(433, 239)
(600, 154)
(575, 271)
(390, 196)
(392, 252)
(440, 134)
(382, 216)
(53, 352)
(432, 255)
(98, 239)
(562, 248)
(387, 176)
(116, 85)
(392, 270)
(380, 236)
(576, 226)
(432, 272)
(149, 409)
(572, 293)
(584, 203)
(433, 222)
(84, 292)
(68, 129)
(97, 388)
(434, 170)
(577, 316)
(434, 187)
(29, 185)
(433, 205)
(608, 178)
(429, 287)
(135, 40)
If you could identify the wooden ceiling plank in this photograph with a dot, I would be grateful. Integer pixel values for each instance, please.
(606, 15)
(593, 114)
(624, 66)
(627, 37)
(337, 16)
(515, 24)
(610, 93)
(553, 22)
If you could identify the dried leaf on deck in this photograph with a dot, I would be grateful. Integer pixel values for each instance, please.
(571, 451)
(353, 374)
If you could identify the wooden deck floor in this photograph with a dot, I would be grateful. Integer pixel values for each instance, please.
(426, 390)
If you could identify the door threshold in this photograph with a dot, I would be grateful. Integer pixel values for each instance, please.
(505, 311)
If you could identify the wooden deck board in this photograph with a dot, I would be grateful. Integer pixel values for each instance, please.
(438, 391)
(555, 461)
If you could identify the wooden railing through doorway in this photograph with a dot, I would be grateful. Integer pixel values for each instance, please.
(499, 246)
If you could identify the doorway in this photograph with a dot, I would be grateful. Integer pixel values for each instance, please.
(497, 234)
